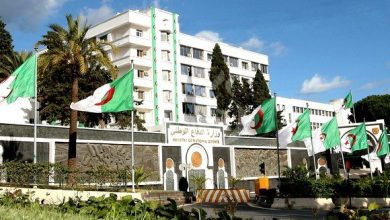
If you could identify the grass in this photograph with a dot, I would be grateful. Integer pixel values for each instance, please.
(36, 213)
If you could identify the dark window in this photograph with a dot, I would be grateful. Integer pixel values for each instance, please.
(186, 70)
(188, 108)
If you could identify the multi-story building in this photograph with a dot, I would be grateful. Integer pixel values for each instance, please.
(320, 113)
(171, 68)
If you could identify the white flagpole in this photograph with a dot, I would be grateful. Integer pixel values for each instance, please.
(312, 146)
(132, 141)
(35, 105)
(368, 152)
(277, 142)
(342, 158)
(353, 107)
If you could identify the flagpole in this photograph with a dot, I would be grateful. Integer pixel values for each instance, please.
(277, 141)
(312, 147)
(35, 105)
(132, 142)
(368, 152)
(342, 158)
(353, 107)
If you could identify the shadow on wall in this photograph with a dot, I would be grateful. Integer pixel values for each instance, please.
(11, 151)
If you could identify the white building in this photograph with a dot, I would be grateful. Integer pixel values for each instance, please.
(172, 68)
(320, 113)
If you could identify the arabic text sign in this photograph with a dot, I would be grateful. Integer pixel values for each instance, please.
(188, 134)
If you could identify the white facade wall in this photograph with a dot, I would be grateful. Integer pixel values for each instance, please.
(124, 31)
(292, 108)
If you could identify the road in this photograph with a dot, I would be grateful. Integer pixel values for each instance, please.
(253, 211)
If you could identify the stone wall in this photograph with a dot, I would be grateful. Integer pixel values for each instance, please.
(248, 160)
(90, 156)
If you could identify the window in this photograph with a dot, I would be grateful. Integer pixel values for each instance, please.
(186, 70)
(198, 72)
(200, 90)
(103, 38)
(141, 115)
(212, 94)
(283, 107)
(244, 65)
(264, 68)
(255, 66)
(209, 56)
(168, 115)
(289, 117)
(141, 53)
(164, 36)
(141, 95)
(197, 54)
(165, 55)
(139, 33)
(200, 110)
(188, 89)
(278, 107)
(166, 75)
(213, 112)
(233, 61)
(142, 74)
(167, 95)
(188, 108)
(225, 58)
(185, 51)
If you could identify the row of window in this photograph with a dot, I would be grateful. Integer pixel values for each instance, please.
(164, 35)
(192, 71)
(297, 109)
(315, 125)
(231, 61)
(196, 109)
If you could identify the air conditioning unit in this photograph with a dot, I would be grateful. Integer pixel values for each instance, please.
(189, 55)
(144, 53)
(146, 74)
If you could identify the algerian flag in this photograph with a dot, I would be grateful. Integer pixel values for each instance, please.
(21, 83)
(300, 130)
(116, 96)
(261, 120)
(383, 144)
(330, 134)
(285, 134)
(356, 138)
(303, 128)
(318, 143)
(348, 101)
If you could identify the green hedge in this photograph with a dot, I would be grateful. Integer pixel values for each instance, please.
(299, 184)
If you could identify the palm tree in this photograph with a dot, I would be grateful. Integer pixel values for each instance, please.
(11, 62)
(69, 47)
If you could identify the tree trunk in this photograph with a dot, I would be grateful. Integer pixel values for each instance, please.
(72, 163)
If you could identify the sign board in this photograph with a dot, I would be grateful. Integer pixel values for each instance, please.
(182, 133)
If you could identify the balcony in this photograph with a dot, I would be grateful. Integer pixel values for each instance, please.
(202, 119)
(145, 106)
(145, 82)
(132, 40)
(139, 61)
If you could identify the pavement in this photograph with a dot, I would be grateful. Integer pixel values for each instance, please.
(253, 211)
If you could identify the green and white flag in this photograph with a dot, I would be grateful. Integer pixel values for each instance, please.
(331, 134)
(21, 83)
(116, 96)
(356, 139)
(383, 144)
(261, 120)
(303, 127)
(348, 103)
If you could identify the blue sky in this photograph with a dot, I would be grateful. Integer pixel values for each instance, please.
(318, 50)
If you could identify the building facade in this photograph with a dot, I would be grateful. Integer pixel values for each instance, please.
(171, 68)
(320, 113)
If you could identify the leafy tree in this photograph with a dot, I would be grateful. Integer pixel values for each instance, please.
(123, 119)
(10, 62)
(220, 79)
(6, 48)
(247, 96)
(235, 109)
(260, 90)
(69, 46)
(373, 108)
